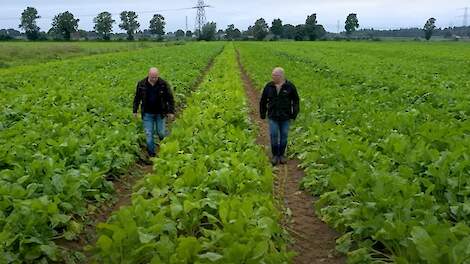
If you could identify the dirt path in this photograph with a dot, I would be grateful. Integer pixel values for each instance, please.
(124, 188)
(314, 241)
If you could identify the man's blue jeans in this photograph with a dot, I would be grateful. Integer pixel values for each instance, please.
(150, 121)
(278, 131)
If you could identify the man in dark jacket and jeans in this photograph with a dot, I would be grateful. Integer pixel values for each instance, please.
(157, 102)
(281, 101)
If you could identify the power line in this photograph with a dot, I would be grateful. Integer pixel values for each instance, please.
(200, 16)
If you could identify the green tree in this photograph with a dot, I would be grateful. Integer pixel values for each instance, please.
(189, 34)
(129, 23)
(288, 31)
(276, 28)
(260, 29)
(179, 33)
(157, 25)
(320, 31)
(351, 24)
(28, 23)
(232, 33)
(64, 24)
(246, 34)
(310, 27)
(208, 31)
(300, 32)
(429, 28)
(103, 25)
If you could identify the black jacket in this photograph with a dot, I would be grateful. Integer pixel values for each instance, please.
(282, 106)
(166, 102)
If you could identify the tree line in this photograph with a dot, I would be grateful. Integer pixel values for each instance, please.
(65, 24)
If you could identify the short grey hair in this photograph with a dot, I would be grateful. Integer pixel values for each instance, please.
(154, 69)
(279, 70)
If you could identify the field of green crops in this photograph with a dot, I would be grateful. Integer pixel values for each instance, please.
(210, 200)
(383, 136)
(26, 53)
(65, 127)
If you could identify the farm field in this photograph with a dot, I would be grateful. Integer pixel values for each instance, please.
(382, 140)
(65, 130)
(25, 53)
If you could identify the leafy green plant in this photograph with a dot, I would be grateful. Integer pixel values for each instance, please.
(64, 128)
(383, 138)
(209, 199)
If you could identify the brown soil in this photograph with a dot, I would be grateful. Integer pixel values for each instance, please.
(123, 185)
(313, 240)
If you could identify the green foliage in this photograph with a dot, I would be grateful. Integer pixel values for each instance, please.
(311, 29)
(129, 23)
(209, 199)
(232, 33)
(288, 31)
(28, 23)
(179, 34)
(310, 26)
(157, 25)
(429, 28)
(260, 29)
(64, 24)
(351, 24)
(300, 32)
(103, 24)
(276, 27)
(386, 153)
(33, 53)
(66, 127)
(208, 31)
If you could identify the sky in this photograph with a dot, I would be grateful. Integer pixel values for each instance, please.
(378, 14)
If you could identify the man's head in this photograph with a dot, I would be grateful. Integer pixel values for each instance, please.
(154, 73)
(278, 75)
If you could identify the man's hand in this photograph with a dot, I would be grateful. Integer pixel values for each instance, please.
(135, 115)
(170, 117)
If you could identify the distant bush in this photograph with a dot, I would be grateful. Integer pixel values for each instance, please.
(5, 37)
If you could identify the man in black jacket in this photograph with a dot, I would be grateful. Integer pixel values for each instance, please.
(281, 101)
(157, 102)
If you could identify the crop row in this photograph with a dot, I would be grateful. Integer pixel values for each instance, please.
(386, 152)
(210, 197)
(65, 127)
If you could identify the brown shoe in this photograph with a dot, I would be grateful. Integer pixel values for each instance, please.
(283, 160)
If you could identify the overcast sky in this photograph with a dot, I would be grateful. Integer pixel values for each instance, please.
(380, 14)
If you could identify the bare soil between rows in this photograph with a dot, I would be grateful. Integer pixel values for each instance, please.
(313, 240)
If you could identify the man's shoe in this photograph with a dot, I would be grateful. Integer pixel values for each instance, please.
(152, 155)
(274, 160)
(283, 160)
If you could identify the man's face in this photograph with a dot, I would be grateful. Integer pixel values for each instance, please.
(153, 77)
(277, 77)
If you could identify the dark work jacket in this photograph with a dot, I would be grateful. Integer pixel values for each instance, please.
(165, 101)
(282, 106)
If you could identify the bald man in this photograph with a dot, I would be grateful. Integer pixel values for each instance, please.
(155, 97)
(281, 102)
